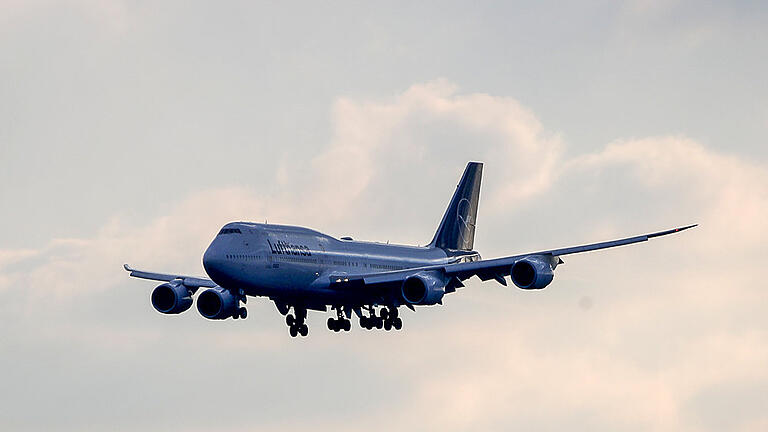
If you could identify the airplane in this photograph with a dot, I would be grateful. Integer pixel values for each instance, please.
(301, 269)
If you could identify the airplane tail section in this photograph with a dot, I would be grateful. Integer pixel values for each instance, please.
(457, 229)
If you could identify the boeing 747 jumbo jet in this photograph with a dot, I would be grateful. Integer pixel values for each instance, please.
(300, 269)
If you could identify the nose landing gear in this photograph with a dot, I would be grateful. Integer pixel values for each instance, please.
(240, 312)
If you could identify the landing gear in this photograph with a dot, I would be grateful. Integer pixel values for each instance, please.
(240, 313)
(392, 319)
(364, 322)
(371, 321)
(337, 325)
(340, 322)
(296, 324)
(398, 323)
(387, 319)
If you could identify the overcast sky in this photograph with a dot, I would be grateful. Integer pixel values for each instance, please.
(131, 131)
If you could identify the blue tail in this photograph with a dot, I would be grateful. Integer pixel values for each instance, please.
(457, 229)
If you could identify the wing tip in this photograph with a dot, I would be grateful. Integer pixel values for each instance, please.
(127, 268)
(672, 231)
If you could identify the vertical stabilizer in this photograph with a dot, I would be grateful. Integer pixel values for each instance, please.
(457, 229)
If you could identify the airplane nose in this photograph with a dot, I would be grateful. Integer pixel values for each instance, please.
(212, 261)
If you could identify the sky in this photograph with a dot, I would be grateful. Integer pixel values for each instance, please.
(132, 131)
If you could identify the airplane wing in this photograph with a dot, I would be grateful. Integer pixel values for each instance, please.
(496, 268)
(488, 269)
(189, 281)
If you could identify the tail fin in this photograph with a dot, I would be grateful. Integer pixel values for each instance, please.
(457, 229)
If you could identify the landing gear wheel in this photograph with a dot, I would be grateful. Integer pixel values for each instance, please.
(387, 325)
(331, 323)
(290, 320)
(243, 312)
(398, 323)
(347, 325)
(384, 314)
(303, 330)
(294, 331)
(379, 323)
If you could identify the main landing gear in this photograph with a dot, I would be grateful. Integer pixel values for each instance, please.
(296, 324)
(240, 312)
(340, 322)
(388, 319)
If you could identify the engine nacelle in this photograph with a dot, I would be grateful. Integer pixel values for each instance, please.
(533, 273)
(171, 298)
(216, 303)
(423, 288)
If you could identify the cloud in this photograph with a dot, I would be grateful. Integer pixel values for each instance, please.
(652, 355)
(729, 194)
(508, 377)
(78, 266)
(380, 147)
(489, 127)
(8, 257)
(671, 322)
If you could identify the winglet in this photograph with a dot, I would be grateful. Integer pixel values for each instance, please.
(127, 268)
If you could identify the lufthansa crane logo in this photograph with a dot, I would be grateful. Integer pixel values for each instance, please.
(463, 221)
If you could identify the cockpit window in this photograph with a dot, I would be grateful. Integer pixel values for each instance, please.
(229, 231)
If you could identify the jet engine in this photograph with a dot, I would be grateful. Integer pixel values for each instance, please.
(217, 303)
(171, 298)
(423, 288)
(533, 273)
